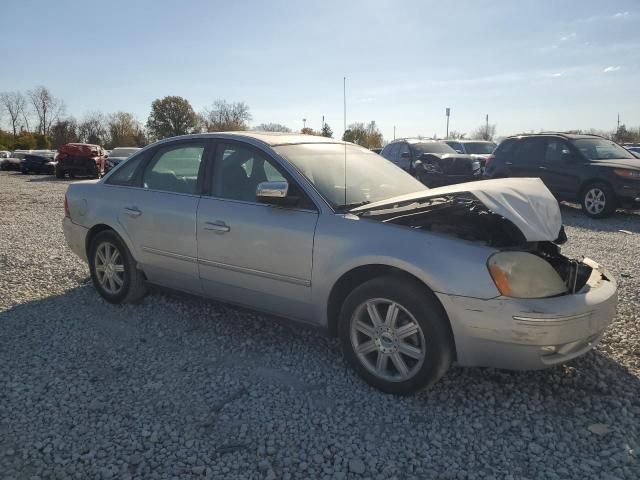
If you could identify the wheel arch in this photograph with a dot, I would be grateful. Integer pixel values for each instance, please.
(593, 180)
(102, 227)
(357, 276)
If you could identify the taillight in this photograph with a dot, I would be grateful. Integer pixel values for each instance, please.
(66, 208)
(489, 158)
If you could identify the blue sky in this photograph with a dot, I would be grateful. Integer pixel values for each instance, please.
(530, 65)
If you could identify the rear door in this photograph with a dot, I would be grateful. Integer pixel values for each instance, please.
(559, 174)
(528, 158)
(252, 253)
(159, 214)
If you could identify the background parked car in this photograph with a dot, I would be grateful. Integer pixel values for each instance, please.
(13, 161)
(117, 155)
(40, 162)
(432, 162)
(592, 170)
(4, 154)
(480, 149)
(80, 159)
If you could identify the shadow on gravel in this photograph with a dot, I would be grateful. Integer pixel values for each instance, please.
(573, 216)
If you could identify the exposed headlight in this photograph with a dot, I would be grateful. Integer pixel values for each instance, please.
(524, 275)
(623, 172)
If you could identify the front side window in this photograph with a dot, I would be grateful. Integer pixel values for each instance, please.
(601, 149)
(456, 146)
(174, 169)
(239, 170)
(368, 177)
(554, 151)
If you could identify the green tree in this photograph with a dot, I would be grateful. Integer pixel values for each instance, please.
(326, 131)
(226, 116)
(172, 116)
(622, 135)
(368, 137)
(25, 141)
(42, 141)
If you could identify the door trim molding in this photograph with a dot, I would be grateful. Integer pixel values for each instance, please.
(176, 256)
(258, 273)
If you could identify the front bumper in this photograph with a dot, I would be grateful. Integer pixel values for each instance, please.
(76, 236)
(628, 194)
(530, 334)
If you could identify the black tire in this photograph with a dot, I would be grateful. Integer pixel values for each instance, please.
(134, 285)
(59, 173)
(434, 337)
(24, 171)
(591, 200)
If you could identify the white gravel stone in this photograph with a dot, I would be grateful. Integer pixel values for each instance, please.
(181, 387)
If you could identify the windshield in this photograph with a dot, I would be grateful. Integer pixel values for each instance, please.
(370, 177)
(431, 147)
(600, 149)
(480, 148)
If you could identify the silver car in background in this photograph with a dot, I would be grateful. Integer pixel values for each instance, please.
(410, 279)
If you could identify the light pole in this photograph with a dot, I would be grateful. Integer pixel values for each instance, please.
(448, 112)
(304, 123)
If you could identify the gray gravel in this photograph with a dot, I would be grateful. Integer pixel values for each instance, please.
(181, 387)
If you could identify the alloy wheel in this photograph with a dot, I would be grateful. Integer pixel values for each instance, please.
(595, 201)
(387, 339)
(109, 266)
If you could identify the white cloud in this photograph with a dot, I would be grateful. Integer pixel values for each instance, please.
(557, 74)
(622, 15)
(571, 36)
(611, 69)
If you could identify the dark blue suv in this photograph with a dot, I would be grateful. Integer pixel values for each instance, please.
(591, 170)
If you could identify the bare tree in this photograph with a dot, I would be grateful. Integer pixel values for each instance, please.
(485, 132)
(93, 129)
(13, 103)
(455, 135)
(272, 127)
(47, 108)
(224, 116)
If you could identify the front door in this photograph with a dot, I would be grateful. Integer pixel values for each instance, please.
(160, 215)
(252, 253)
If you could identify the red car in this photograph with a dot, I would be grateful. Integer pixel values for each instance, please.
(80, 159)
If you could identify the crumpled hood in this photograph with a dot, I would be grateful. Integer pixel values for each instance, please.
(526, 202)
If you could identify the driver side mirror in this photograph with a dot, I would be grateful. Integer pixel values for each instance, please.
(272, 192)
(405, 155)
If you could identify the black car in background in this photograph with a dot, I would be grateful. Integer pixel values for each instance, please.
(40, 163)
(432, 162)
(591, 170)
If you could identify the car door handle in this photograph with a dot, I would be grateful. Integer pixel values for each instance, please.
(508, 163)
(132, 211)
(542, 168)
(218, 226)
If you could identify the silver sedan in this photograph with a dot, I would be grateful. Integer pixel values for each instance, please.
(329, 233)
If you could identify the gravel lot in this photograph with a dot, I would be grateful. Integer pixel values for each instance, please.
(181, 387)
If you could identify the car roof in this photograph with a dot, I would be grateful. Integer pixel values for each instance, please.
(568, 136)
(415, 140)
(467, 140)
(273, 139)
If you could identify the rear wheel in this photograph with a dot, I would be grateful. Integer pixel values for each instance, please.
(113, 269)
(395, 335)
(598, 200)
(59, 173)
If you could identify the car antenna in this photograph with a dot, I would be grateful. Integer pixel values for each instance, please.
(344, 96)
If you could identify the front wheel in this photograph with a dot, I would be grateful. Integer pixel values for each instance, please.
(395, 335)
(113, 269)
(598, 200)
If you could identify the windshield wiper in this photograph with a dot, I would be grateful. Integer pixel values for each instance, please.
(350, 206)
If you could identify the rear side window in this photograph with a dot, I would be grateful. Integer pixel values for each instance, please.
(126, 173)
(532, 151)
(174, 169)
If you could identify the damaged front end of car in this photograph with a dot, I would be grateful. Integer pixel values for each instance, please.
(523, 265)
